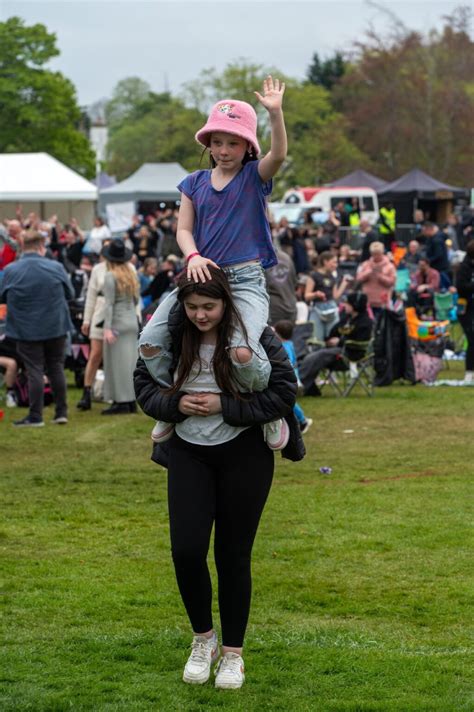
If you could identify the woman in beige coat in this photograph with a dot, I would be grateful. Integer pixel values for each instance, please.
(93, 316)
(92, 326)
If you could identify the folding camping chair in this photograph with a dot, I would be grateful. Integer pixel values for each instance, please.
(445, 307)
(304, 339)
(345, 374)
(402, 284)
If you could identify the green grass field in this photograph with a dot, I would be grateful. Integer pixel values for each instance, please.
(362, 579)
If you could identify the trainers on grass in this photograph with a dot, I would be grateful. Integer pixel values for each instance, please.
(276, 434)
(304, 427)
(162, 432)
(204, 652)
(230, 672)
(59, 420)
(27, 422)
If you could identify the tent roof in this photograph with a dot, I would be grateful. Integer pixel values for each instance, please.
(419, 183)
(360, 178)
(40, 177)
(152, 181)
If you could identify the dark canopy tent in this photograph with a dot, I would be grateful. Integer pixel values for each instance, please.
(360, 178)
(417, 189)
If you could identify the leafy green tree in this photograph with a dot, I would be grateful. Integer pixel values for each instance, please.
(318, 147)
(326, 73)
(38, 107)
(239, 80)
(130, 98)
(409, 100)
(149, 127)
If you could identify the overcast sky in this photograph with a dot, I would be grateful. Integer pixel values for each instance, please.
(169, 43)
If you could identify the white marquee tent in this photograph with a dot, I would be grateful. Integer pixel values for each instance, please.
(44, 185)
(151, 182)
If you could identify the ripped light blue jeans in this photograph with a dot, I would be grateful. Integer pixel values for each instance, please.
(247, 284)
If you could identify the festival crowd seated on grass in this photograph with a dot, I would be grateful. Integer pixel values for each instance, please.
(321, 263)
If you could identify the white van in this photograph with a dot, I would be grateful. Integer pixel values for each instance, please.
(295, 213)
(327, 198)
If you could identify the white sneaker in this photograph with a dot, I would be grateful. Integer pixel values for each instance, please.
(162, 431)
(306, 425)
(60, 420)
(10, 401)
(204, 652)
(230, 672)
(276, 434)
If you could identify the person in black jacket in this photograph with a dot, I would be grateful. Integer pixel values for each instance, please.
(355, 325)
(220, 469)
(465, 287)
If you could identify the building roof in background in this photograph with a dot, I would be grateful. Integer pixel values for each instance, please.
(103, 180)
(40, 177)
(359, 178)
(152, 181)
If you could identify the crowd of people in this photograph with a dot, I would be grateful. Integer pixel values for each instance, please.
(316, 273)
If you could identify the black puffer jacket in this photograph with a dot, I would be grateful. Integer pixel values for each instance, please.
(465, 281)
(256, 408)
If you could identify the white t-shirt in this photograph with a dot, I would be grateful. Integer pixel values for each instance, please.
(209, 430)
(96, 238)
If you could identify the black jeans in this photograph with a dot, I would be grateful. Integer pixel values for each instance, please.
(467, 323)
(314, 362)
(42, 357)
(226, 485)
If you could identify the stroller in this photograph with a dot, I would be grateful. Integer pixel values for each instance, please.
(77, 353)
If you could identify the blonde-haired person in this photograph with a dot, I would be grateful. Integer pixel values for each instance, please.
(377, 277)
(121, 294)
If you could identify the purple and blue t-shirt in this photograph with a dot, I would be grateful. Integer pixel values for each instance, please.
(231, 224)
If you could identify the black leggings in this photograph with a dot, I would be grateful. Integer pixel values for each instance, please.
(227, 485)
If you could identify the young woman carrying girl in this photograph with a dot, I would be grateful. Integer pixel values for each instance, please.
(219, 468)
(223, 223)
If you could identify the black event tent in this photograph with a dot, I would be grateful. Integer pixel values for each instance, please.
(418, 184)
(360, 178)
(416, 189)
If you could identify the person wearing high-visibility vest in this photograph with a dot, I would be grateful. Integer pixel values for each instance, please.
(387, 224)
(354, 222)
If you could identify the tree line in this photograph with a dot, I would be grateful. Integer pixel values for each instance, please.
(392, 103)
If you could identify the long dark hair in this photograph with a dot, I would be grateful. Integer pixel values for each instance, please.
(215, 288)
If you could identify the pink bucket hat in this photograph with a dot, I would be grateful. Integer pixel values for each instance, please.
(231, 116)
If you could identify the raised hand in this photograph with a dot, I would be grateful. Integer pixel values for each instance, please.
(272, 98)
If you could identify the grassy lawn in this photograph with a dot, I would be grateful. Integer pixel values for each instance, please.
(362, 579)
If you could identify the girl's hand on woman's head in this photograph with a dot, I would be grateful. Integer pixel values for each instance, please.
(273, 91)
(197, 268)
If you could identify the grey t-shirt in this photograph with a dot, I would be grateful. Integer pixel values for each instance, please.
(209, 430)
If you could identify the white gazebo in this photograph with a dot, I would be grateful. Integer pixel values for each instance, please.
(44, 185)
